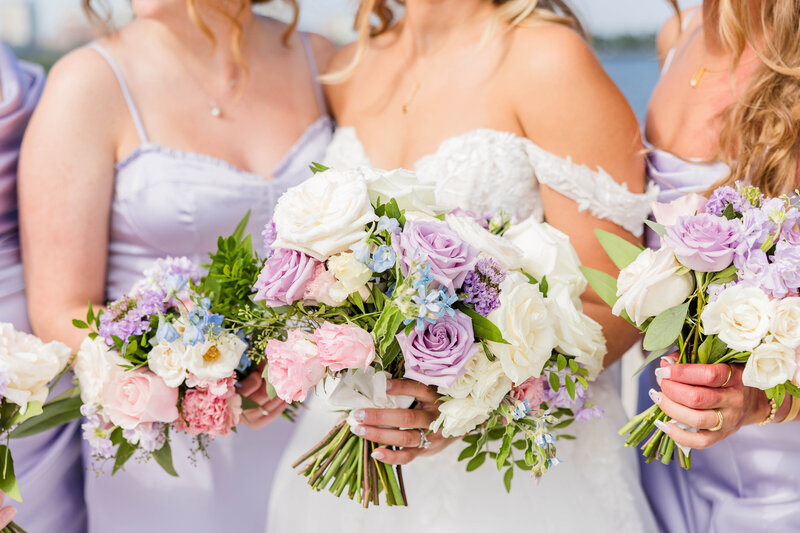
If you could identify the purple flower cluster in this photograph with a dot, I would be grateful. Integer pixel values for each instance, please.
(482, 286)
(581, 406)
(270, 233)
(724, 196)
(126, 317)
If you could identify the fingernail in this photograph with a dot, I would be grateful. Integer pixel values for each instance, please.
(663, 426)
(389, 384)
(655, 396)
(663, 373)
(8, 514)
(359, 415)
(360, 431)
(668, 359)
(377, 454)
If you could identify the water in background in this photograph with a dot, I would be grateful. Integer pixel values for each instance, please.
(636, 73)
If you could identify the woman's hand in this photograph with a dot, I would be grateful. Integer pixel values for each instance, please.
(7, 514)
(694, 394)
(255, 388)
(403, 427)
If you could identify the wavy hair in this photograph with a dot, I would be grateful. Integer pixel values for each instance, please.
(511, 12)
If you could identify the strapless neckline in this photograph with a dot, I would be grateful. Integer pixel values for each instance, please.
(323, 123)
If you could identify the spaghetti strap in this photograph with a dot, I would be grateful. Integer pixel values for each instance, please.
(312, 66)
(671, 53)
(137, 119)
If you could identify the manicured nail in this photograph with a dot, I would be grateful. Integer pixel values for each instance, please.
(655, 396)
(359, 415)
(8, 514)
(668, 359)
(664, 426)
(377, 454)
(389, 385)
(663, 373)
(360, 431)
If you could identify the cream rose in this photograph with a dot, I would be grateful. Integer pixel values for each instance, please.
(548, 252)
(785, 321)
(325, 215)
(349, 271)
(216, 358)
(491, 385)
(576, 334)
(30, 363)
(404, 187)
(769, 365)
(94, 365)
(167, 360)
(500, 249)
(460, 416)
(649, 285)
(739, 315)
(526, 325)
(466, 382)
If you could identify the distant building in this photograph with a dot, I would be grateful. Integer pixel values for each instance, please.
(18, 23)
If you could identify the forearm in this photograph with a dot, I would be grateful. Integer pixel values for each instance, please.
(56, 324)
(620, 335)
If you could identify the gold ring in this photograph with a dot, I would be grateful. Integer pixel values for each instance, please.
(720, 420)
(730, 373)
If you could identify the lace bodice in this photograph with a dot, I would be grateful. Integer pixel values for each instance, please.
(484, 170)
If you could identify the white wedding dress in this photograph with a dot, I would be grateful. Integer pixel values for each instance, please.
(596, 488)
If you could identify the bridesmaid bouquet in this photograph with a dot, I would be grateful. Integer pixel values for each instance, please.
(723, 288)
(29, 368)
(367, 280)
(157, 360)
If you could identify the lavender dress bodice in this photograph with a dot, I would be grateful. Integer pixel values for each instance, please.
(171, 202)
(48, 465)
(748, 482)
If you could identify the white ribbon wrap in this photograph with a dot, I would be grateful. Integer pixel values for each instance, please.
(361, 389)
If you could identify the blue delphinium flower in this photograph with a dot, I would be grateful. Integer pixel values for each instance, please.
(244, 362)
(544, 439)
(166, 332)
(521, 410)
(383, 259)
(554, 461)
(392, 225)
(362, 252)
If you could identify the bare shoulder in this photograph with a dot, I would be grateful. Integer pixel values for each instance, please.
(548, 48)
(668, 36)
(324, 50)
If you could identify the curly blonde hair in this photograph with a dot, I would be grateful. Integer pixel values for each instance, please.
(511, 12)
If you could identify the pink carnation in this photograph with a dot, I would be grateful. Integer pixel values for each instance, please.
(341, 346)
(323, 288)
(137, 396)
(293, 366)
(532, 390)
(206, 412)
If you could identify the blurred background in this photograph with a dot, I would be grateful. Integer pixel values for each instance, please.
(623, 31)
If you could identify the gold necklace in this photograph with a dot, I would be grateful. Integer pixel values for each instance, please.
(411, 97)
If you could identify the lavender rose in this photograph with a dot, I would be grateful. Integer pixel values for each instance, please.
(438, 354)
(284, 278)
(704, 242)
(450, 257)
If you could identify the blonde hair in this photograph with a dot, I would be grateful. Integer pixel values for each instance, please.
(512, 12)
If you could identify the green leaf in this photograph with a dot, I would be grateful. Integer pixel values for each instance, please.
(658, 228)
(32, 410)
(507, 477)
(90, 316)
(317, 167)
(271, 392)
(8, 479)
(356, 299)
(666, 327)
(124, 452)
(604, 285)
(80, 324)
(726, 276)
(387, 326)
(53, 414)
(570, 385)
(476, 461)
(621, 252)
(561, 362)
(467, 452)
(482, 326)
(505, 450)
(652, 356)
(555, 383)
(248, 403)
(163, 457)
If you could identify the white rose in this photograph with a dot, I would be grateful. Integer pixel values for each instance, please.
(769, 365)
(216, 358)
(491, 385)
(547, 252)
(30, 365)
(739, 315)
(526, 325)
(167, 360)
(404, 187)
(577, 334)
(785, 322)
(501, 250)
(94, 366)
(325, 214)
(351, 273)
(649, 286)
(463, 386)
(459, 416)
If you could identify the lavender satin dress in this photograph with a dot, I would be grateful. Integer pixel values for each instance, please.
(169, 202)
(48, 465)
(749, 482)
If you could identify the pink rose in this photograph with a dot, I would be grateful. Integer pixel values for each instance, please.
(137, 396)
(344, 346)
(324, 288)
(532, 390)
(293, 366)
(205, 411)
(284, 278)
(684, 206)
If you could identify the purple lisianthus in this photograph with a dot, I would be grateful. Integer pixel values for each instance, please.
(786, 268)
(482, 286)
(581, 406)
(284, 278)
(438, 353)
(449, 257)
(723, 197)
(704, 242)
(755, 229)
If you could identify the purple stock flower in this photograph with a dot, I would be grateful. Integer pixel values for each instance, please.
(704, 242)
(124, 318)
(438, 354)
(284, 278)
(482, 286)
(270, 233)
(786, 268)
(449, 257)
(580, 406)
(724, 196)
(755, 230)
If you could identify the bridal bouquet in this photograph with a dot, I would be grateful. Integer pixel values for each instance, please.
(367, 280)
(723, 288)
(28, 370)
(157, 360)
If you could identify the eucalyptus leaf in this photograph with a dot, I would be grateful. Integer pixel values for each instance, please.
(8, 479)
(54, 414)
(658, 228)
(604, 285)
(621, 252)
(665, 329)
(163, 457)
(248, 403)
(33, 409)
(124, 452)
